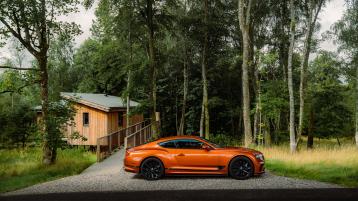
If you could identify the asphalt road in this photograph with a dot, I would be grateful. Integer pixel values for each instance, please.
(108, 176)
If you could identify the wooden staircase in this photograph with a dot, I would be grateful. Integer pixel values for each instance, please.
(131, 136)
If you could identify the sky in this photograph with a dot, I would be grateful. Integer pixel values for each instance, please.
(328, 16)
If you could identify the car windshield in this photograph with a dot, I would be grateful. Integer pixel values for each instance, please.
(211, 143)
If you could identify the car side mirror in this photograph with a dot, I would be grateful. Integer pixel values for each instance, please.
(206, 147)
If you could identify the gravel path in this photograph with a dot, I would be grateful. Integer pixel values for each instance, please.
(109, 176)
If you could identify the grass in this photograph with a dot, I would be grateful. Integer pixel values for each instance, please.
(327, 162)
(21, 168)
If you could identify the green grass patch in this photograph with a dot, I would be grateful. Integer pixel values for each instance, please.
(338, 174)
(21, 168)
(327, 162)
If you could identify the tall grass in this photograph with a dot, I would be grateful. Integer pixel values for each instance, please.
(326, 162)
(20, 168)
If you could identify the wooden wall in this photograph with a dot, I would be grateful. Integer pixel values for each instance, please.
(100, 124)
(97, 127)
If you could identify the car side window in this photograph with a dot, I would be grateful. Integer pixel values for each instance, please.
(189, 144)
(168, 144)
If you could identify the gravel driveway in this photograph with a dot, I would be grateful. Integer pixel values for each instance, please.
(109, 176)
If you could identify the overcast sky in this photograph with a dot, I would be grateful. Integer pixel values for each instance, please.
(330, 14)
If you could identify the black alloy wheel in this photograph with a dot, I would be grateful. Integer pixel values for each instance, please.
(241, 168)
(152, 169)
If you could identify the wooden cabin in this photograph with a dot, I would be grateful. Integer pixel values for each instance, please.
(97, 115)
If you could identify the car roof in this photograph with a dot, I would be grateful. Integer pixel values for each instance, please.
(179, 137)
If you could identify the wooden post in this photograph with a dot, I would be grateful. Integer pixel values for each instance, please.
(125, 143)
(135, 140)
(98, 150)
(141, 136)
(145, 135)
(110, 143)
(119, 139)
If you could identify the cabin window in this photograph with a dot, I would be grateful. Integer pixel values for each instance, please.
(85, 119)
(120, 118)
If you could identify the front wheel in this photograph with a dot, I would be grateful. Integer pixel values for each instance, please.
(152, 169)
(241, 168)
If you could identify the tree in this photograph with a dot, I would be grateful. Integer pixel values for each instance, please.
(290, 81)
(16, 122)
(204, 120)
(346, 30)
(244, 9)
(314, 7)
(34, 24)
(330, 116)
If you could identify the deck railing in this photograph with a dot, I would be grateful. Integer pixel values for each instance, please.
(107, 144)
(139, 137)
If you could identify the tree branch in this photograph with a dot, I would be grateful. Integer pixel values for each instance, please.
(18, 68)
(18, 36)
(19, 90)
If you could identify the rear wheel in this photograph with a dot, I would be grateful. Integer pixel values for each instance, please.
(241, 168)
(152, 169)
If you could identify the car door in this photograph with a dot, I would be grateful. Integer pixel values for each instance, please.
(191, 156)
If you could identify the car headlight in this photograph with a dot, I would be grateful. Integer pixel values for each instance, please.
(260, 157)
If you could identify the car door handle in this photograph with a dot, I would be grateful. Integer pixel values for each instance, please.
(181, 154)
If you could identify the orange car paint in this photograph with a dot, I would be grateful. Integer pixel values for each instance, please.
(214, 161)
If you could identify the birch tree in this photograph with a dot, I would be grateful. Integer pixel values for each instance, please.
(204, 120)
(244, 9)
(289, 79)
(314, 7)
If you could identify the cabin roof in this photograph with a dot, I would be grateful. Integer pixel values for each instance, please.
(102, 102)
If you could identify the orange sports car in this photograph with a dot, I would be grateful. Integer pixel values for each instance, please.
(192, 155)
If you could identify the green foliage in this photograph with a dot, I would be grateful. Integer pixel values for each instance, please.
(332, 116)
(61, 69)
(16, 121)
(61, 115)
(20, 168)
(224, 140)
(28, 15)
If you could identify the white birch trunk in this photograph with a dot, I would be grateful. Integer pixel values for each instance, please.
(290, 82)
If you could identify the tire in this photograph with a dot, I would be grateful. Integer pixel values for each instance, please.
(241, 168)
(152, 169)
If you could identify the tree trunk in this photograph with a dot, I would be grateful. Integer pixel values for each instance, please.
(310, 131)
(128, 123)
(152, 65)
(311, 21)
(356, 136)
(128, 98)
(339, 143)
(290, 82)
(257, 122)
(244, 20)
(185, 92)
(202, 121)
(205, 108)
(49, 154)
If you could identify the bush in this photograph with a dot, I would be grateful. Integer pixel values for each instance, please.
(225, 140)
